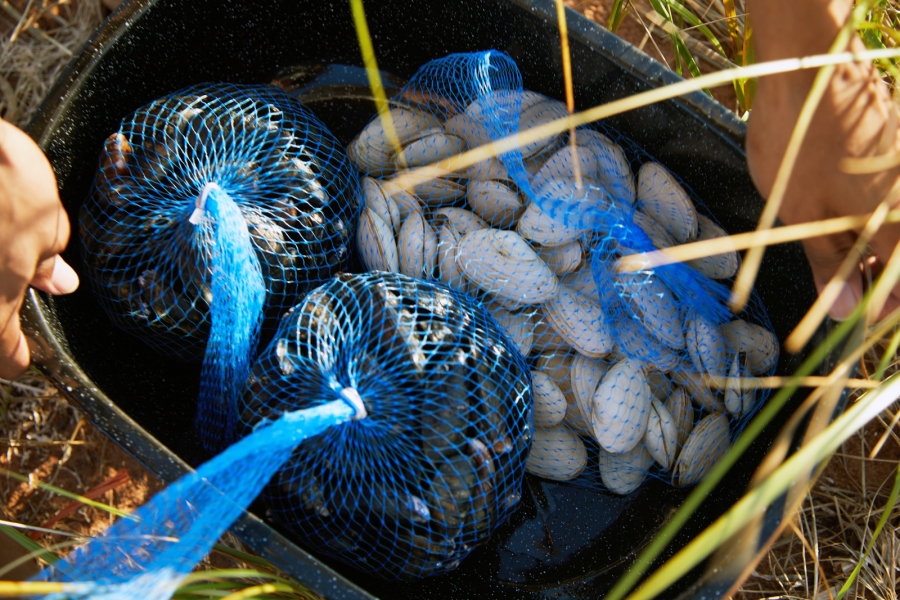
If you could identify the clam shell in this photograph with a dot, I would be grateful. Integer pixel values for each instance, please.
(546, 338)
(503, 102)
(705, 446)
(405, 201)
(462, 220)
(579, 321)
(558, 366)
(585, 376)
(448, 270)
(631, 341)
(659, 384)
(549, 402)
(417, 247)
(467, 128)
(375, 240)
(440, 191)
(575, 420)
(706, 346)
(621, 407)
(539, 114)
(556, 453)
(371, 150)
(385, 208)
(496, 202)
(583, 282)
(652, 302)
(682, 411)
(561, 165)
(719, 266)
(519, 327)
(661, 438)
(665, 200)
(758, 343)
(503, 264)
(487, 170)
(656, 233)
(624, 472)
(563, 259)
(698, 391)
(614, 168)
(430, 148)
(739, 400)
(536, 226)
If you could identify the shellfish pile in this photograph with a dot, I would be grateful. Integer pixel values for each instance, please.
(620, 365)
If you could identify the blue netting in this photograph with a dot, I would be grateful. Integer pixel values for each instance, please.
(536, 234)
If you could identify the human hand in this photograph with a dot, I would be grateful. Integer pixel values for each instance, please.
(856, 118)
(34, 229)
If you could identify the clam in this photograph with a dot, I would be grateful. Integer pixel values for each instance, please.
(518, 326)
(468, 128)
(448, 270)
(718, 266)
(682, 411)
(556, 453)
(546, 337)
(697, 390)
(490, 169)
(496, 202)
(462, 220)
(373, 152)
(660, 238)
(663, 198)
(505, 103)
(375, 240)
(537, 226)
(549, 402)
(585, 376)
(429, 148)
(583, 282)
(383, 206)
(503, 264)
(563, 259)
(704, 447)
(739, 399)
(659, 384)
(561, 165)
(661, 438)
(624, 472)
(580, 321)
(440, 191)
(758, 343)
(539, 114)
(576, 421)
(633, 340)
(405, 201)
(417, 247)
(621, 407)
(706, 346)
(614, 167)
(558, 366)
(654, 306)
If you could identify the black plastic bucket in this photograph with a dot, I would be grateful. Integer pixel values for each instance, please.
(564, 542)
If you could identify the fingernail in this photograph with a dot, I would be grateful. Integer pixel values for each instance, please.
(845, 304)
(64, 279)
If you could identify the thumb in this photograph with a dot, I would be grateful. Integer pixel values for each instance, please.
(55, 276)
(825, 257)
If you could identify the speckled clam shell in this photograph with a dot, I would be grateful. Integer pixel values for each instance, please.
(549, 402)
(556, 453)
(496, 202)
(621, 407)
(375, 241)
(705, 446)
(373, 152)
(417, 247)
(501, 263)
(580, 321)
(718, 266)
(663, 198)
(624, 472)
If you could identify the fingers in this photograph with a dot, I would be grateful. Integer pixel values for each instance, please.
(55, 276)
(14, 353)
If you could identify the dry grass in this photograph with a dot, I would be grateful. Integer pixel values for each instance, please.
(45, 437)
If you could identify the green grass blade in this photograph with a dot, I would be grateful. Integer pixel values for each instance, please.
(887, 357)
(617, 13)
(51, 488)
(28, 544)
(885, 514)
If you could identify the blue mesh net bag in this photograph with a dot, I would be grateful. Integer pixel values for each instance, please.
(637, 374)
(397, 415)
(215, 209)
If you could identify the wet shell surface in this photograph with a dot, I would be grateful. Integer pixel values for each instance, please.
(661, 438)
(621, 407)
(556, 453)
(625, 472)
(663, 198)
(549, 402)
(503, 264)
(705, 446)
